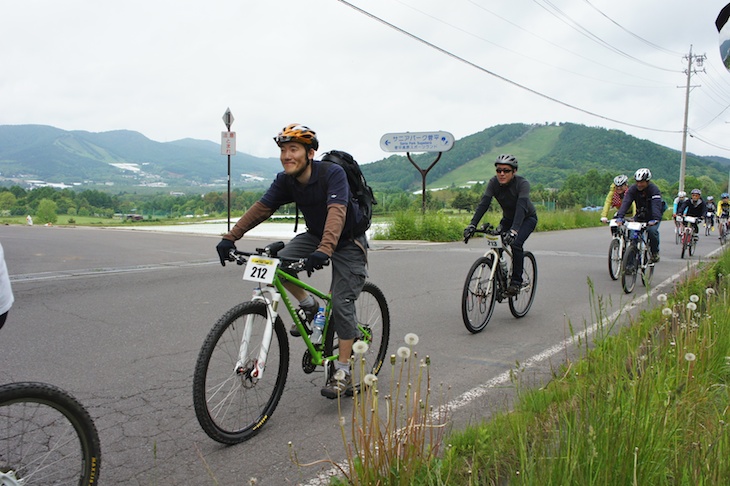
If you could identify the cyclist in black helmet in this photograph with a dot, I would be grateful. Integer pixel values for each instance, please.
(519, 217)
(648, 199)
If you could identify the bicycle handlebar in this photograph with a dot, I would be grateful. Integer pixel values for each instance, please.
(486, 229)
(295, 264)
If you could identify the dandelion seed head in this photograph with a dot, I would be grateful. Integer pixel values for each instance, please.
(709, 291)
(411, 339)
(692, 306)
(404, 352)
(690, 357)
(667, 311)
(360, 347)
(661, 297)
(339, 375)
(694, 298)
(370, 379)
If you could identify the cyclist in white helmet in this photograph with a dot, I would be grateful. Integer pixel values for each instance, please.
(615, 197)
(648, 199)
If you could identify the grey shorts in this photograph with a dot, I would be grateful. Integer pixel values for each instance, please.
(349, 271)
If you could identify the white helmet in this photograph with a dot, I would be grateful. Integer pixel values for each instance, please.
(642, 175)
(620, 180)
(681, 194)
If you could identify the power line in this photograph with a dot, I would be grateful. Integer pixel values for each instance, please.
(567, 20)
(649, 43)
(555, 45)
(491, 73)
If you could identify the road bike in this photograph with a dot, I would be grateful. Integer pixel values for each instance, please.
(678, 229)
(243, 364)
(637, 257)
(46, 437)
(689, 235)
(709, 222)
(488, 279)
(616, 248)
(723, 229)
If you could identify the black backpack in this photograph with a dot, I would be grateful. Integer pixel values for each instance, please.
(361, 194)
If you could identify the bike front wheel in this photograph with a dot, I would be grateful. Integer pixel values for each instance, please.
(692, 245)
(630, 268)
(478, 296)
(231, 403)
(521, 303)
(46, 437)
(685, 244)
(614, 259)
(373, 322)
(647, 269)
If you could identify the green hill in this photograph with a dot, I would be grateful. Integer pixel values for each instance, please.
(548, 154)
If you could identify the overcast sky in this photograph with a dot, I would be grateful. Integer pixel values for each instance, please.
(169, 69)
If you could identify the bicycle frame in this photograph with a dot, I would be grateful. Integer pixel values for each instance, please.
(276, 294)
(496, 248)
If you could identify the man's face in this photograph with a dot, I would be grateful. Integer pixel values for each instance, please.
(505, 173)
(695, 197)
(641, 185)
(293, 157)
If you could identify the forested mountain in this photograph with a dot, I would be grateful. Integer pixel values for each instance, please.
(548, 154)
(121, 157)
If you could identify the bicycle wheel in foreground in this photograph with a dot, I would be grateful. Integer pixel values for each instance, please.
(478, 296)
(46, 437)
(373, 320)
(614, 259)
(231, 404)
(521, 303)
(630, 268)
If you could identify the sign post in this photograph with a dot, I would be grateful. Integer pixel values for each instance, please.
(228, 147)
(418, 142)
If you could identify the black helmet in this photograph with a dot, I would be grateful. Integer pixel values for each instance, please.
(507, 159)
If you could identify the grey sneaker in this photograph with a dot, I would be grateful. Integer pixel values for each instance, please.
(306, 315)
(335, 387)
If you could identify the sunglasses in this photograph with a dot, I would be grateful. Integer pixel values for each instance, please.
(505, 171)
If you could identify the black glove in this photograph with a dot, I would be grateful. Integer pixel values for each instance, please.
(224, 249)
(469, 232)
(508, 238)
(316, 261)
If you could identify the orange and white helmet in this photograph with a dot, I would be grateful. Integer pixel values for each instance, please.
(296, 132)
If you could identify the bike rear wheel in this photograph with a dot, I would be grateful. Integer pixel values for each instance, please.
(373, 321)
(520, 304)
(231, 404)
(647, 269)
(614, 259)
(630, 268)
(46, 437)
(692, 245)
(479, 294)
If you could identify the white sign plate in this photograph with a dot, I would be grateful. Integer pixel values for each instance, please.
(417, 142)
(261, 269)
(228, 143)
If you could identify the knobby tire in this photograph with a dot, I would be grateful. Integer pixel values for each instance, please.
(47, 436)
(630, 268)
(614, 259)
(479, 295)
(232, 406)
(520, 304)
(373, 316)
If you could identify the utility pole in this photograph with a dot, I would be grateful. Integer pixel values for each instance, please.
(689, 72)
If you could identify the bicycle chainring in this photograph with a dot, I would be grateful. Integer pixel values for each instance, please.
(307, 366)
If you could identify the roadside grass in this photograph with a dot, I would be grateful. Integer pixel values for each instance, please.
(646, 404)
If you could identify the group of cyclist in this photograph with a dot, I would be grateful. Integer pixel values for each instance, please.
(643, 202)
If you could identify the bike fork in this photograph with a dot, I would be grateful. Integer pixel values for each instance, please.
(272, 304)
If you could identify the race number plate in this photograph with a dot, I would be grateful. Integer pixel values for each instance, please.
(494, 241)
(260, 269)
(633, 225)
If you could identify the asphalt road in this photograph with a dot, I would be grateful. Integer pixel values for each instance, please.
(117, 317)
